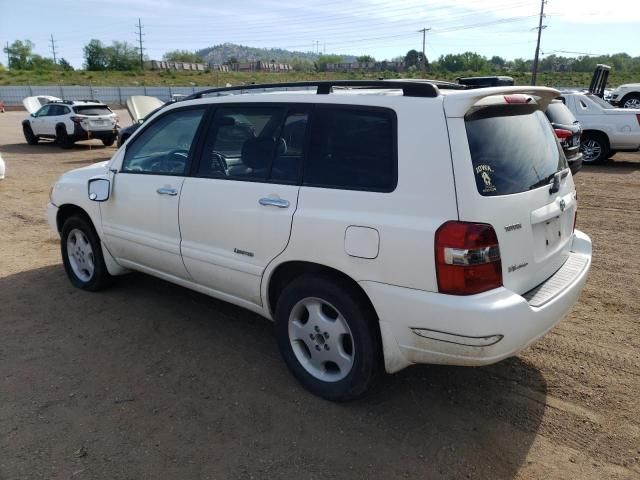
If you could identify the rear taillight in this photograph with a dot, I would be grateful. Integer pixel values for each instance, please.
(575, 219)
(638, 118)
(77, 119)
(561, 133)
(467, 258)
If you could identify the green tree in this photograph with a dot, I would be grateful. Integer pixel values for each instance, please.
(182, 56)
(412, 58)
(324, 60)
(20, 54)
(365, 59)
(231, 61)
(38, 62)
(497, 62)
(95, 55)
(65, 65)
(122, 56)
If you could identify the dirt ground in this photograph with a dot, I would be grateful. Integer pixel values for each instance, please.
(152, 381)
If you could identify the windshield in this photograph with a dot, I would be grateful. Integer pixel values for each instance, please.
(513, 150)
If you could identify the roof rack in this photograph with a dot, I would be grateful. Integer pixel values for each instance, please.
(410, 88)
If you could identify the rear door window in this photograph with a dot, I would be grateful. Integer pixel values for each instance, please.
(513, 149)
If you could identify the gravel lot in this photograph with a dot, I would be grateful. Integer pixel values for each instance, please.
(150, 380)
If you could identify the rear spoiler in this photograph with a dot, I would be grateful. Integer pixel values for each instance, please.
(457, 104)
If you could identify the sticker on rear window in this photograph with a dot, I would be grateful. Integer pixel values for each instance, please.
(485, 171)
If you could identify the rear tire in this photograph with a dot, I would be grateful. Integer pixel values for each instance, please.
(62, 138)
(327, 335)
(29, 136)
(594, 148)
(107, 142)
(82, 255)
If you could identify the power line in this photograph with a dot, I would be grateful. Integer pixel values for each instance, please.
(534, 73)
(53, 49)
(139, 33)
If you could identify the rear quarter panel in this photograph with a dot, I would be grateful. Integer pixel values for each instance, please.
(406, 219)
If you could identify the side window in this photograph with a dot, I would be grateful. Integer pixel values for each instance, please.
(242, 142)
(352, 148)
(163, 147)
(43, 112)
(290, 151)
(56, 110)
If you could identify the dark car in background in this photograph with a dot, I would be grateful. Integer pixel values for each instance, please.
(568, 130)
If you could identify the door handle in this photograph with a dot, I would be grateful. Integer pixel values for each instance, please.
(167, 191)
(274, 202)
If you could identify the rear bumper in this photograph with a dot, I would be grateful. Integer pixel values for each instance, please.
(80, 133)
(575, 163)
(427, 327)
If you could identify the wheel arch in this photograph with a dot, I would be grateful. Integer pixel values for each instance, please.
(66, 211)
(596, 132)
(286, 272)
(632, 94)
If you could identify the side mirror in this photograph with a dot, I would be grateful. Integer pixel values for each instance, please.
(32, 114)
(99, 189)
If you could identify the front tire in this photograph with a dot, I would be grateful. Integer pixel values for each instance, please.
(63, 139)
(327, 335)
(82, 255)
(594, 148)
(631, 101)
(29, 136)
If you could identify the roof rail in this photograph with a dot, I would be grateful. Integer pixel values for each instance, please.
(415, 88)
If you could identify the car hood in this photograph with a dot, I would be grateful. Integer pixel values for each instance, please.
(140, 106)
(629, 85)
(88, 171)
(33, 104)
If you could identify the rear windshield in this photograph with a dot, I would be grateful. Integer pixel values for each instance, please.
(512, 153)
(92, 110)
(560, 114)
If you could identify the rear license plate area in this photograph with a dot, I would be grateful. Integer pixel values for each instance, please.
(552, 232)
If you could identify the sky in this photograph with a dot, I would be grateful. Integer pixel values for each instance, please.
(382, 28)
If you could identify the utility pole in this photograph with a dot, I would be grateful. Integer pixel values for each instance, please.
(534, 73)
(8, 57)
(424, 57)
(139, 33)
(53, 50)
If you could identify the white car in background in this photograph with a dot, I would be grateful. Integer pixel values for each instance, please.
(2, 168)
(626, 96)
(68, 121)
(606, 129)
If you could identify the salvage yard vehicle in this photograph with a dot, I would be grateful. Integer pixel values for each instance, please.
(606, 129)
(68, 121)
(380, 224)
(568, 130)
(2, 168)
(626, 96)
(140, 107)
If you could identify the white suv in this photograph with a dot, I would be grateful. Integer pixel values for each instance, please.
(68, 121)
(378, 223)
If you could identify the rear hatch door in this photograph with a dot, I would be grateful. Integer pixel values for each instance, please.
(96, 117)
(511, 173)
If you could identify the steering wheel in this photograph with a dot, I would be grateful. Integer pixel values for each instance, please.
(174, 160)
(218, 162)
